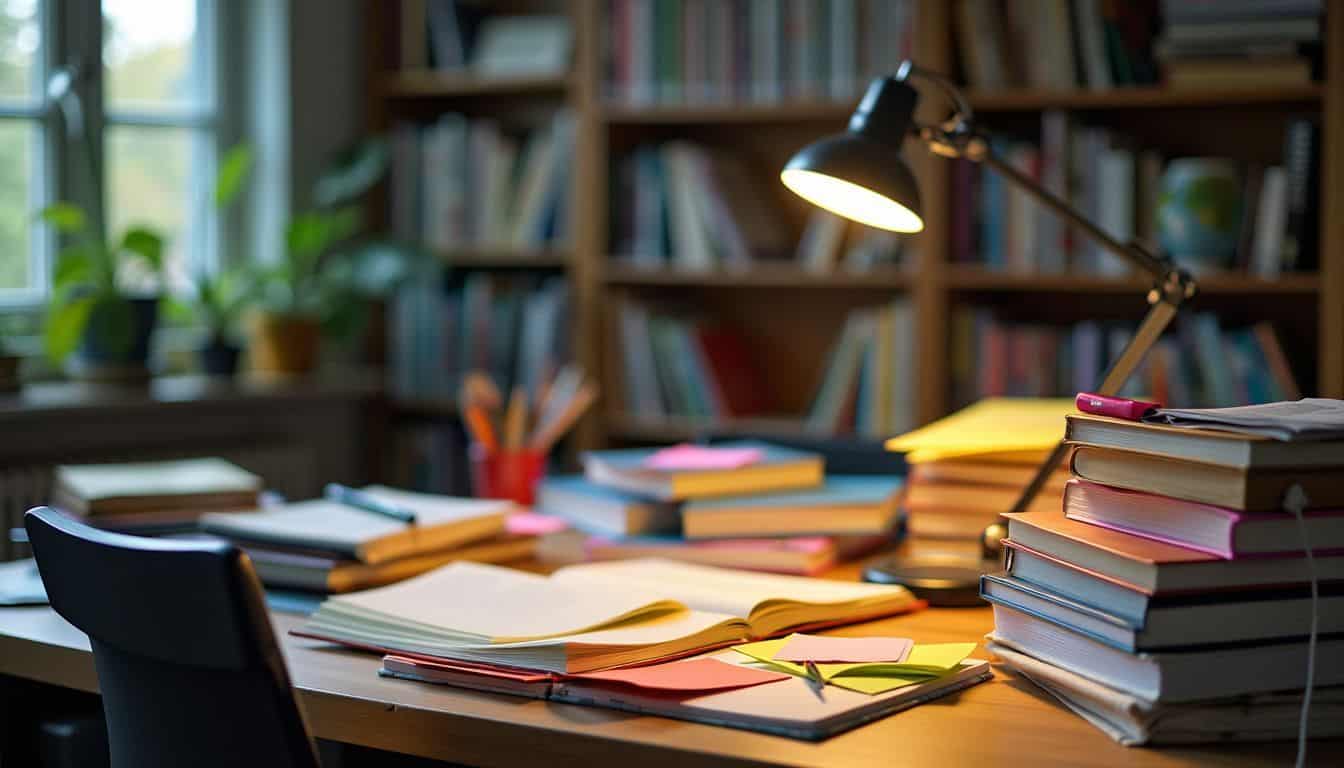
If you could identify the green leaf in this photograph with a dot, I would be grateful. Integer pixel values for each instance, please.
(145, 242)
(313, 232)
(353, 173)
(113, 322)
(65, 325)
(65, 217)
(74, 265)
(233, 170)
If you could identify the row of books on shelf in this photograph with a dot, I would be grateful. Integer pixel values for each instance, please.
(685, 369)
(765, 51)
(512, 326)
(454, 36)
(1200, 363)
(1100, 45)
(692, 207)
(1211, 214)
(1176, 591)
(462, 182)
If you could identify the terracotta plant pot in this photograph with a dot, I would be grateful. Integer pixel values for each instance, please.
(284, 345)
(9, 373)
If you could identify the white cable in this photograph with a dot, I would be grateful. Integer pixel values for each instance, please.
(1295, 501)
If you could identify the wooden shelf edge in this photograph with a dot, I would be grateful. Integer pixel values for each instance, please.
(1010, 100)
(983, 280)
(488, 256)
(423, 407)
(1139, 98)
(433, 84)
(758, 277)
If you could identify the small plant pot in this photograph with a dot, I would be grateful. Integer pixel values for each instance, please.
(284, 345)
(101, 358)
(219, 358)
(9, 373)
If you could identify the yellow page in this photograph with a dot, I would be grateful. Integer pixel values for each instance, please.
(475, 602)
(928, 660)
(993, 425)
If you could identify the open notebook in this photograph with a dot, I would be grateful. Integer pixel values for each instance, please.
(589, 617)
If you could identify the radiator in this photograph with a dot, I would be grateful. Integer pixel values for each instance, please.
(21, 489)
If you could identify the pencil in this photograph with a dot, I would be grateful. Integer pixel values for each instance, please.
(479, 426)
(548, 434)
(515, 420)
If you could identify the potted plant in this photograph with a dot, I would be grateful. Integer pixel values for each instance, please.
(327, 277)
(105, 303)
(218, 299)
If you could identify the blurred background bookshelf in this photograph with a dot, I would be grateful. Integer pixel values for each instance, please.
(676, 210)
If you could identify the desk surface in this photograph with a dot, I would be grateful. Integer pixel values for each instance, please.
(1004, 722)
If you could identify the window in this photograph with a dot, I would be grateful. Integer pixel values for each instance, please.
(158, 128)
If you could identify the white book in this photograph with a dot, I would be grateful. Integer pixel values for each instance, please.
(765, 50)
(819, 247)
(691, 245)
(1270, 222)
(1092, 44)
(1116, 204)
(843, 48)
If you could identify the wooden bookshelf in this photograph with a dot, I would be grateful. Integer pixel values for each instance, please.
(632, 428)
(486, 257)
(798, 313)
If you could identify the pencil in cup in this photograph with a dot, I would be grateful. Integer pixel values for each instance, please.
(506, 474)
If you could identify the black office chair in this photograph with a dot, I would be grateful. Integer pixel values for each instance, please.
(188, 666)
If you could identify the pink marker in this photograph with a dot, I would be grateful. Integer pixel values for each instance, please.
(1116, 407)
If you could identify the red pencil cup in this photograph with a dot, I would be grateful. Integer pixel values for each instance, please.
(511, 475)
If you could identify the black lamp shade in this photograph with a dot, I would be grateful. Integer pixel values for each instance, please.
(859, 174)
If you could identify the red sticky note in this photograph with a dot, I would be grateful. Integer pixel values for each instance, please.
(693, 675)
(842, 650)
(692, 457)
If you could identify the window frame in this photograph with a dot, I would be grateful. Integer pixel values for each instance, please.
(71, 33)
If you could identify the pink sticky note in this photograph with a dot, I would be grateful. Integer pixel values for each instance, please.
(693, 675)
(688, 456)
(845, 650)
(533, 524)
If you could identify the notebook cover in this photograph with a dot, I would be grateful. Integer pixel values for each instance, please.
(839, 490)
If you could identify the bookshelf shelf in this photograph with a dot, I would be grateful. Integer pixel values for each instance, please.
(634, 428)
(719, 114)
(432, 84)
(424, 408)
(757, 277)
(486, 257)
(962, 278)
(1022, 100)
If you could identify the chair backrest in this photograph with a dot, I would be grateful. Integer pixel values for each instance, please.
(187, 662)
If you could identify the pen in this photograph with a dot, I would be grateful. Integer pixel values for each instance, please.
(352, 497)
(814, 679)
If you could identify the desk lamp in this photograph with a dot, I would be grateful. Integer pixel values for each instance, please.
(859, 174)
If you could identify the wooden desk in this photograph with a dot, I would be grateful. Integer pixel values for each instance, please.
(1005, 722)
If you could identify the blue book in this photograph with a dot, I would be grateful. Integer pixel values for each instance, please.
(778, 468)
(605, 511)
(844, 505)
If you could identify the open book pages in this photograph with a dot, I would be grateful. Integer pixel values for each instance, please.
(1311, 418)
(590, 616)
(770, 603)
(319, 524)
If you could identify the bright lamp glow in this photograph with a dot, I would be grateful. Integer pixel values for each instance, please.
(851, 201)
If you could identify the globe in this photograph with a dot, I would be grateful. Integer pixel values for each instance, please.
(1199, 212)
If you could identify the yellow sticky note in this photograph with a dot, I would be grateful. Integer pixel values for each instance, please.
(875, 685)
(993, 425)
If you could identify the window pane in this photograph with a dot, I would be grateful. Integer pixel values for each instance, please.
(17, 202)
(19, 39)
(150, 183)
(149, 58)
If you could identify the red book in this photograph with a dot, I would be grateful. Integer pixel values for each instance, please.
(735, 372)
(1219, 531)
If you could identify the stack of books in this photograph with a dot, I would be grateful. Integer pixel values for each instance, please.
(326, 546)
(778, 513)
(1200, 363)
(1172, 599)
(969, 468)
(153, 497)
(1256, 44)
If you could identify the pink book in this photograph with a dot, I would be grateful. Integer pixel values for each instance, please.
(1219, 531)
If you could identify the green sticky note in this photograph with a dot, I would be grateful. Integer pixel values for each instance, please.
(925, 661)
